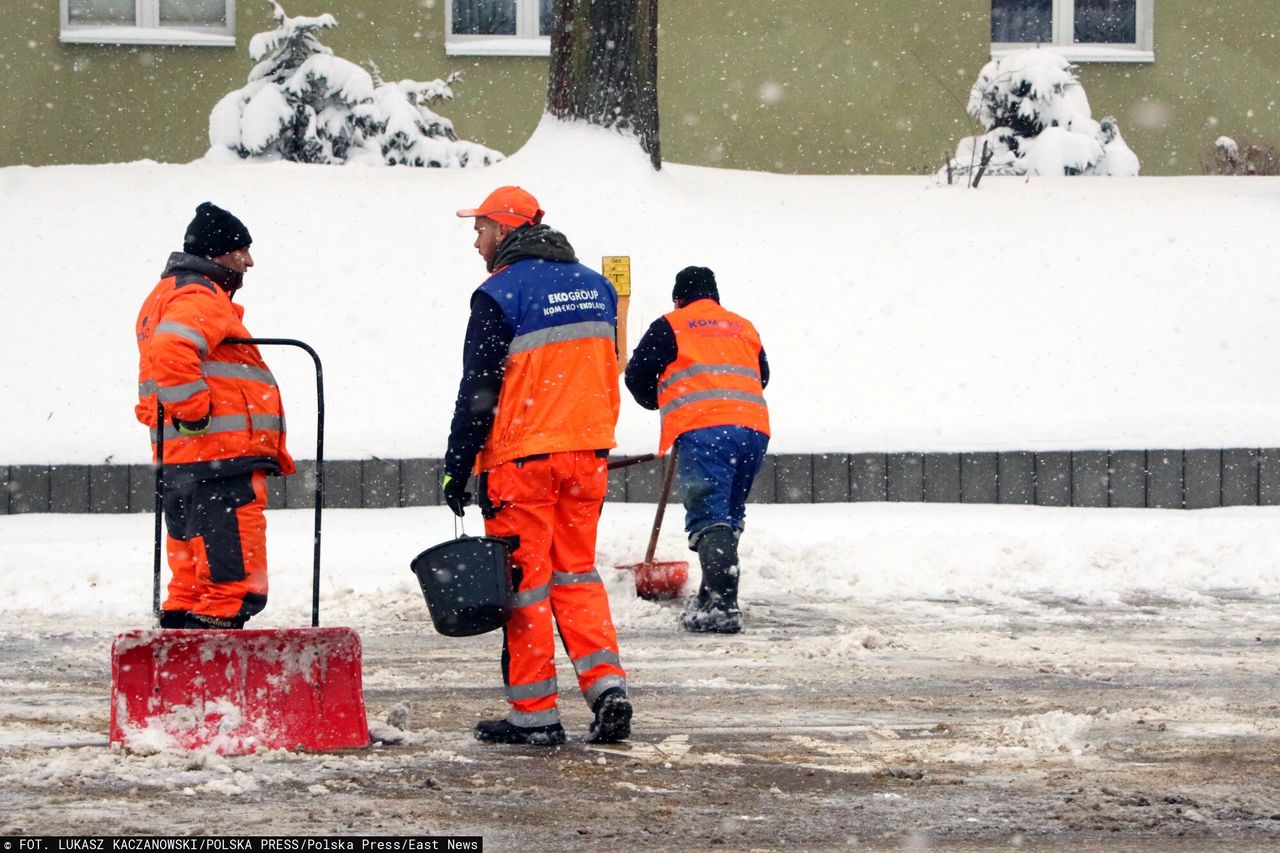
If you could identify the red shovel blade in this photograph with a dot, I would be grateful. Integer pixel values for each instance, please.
(235, 692)
(658, 580)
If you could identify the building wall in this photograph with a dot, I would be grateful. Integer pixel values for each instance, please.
(810, 86)
(860, 86)
(1217, 72)
(76, 103)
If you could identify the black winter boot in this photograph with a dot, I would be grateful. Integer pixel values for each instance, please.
(613, 717)
(173, 618)
(715, 609)
(195, 621)
(503, 731)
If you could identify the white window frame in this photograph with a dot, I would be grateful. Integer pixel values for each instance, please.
(1142, 50)
(147, 30)
(526, 41)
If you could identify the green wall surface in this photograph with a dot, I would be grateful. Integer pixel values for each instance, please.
(78, 103)
(880, 86)
(808, 86)
(1217, 72)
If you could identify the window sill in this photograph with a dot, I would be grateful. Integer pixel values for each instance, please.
(497, 46)
(146, 35)
(1082, 52)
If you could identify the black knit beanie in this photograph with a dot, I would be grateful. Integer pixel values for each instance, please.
(214, 232)
(693, 283)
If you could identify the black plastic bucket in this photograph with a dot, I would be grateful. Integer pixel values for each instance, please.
(467, 584)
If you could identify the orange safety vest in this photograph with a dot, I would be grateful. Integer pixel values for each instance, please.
(185, 364)
(560, 384)
(715, 378)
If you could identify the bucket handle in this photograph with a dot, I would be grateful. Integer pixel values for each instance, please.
(319, 496)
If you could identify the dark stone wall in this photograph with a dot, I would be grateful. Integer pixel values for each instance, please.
(1164, 479)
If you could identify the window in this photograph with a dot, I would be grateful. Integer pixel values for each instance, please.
(498, 27)
(1081, 30)
(194, 22)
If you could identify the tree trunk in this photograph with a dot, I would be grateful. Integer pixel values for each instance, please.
(604, 67)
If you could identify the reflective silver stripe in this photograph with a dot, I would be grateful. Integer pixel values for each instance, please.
(712, 394)
(527, 597)
(220, 369)
(601, 684)
(549, 717)
(222, 423)
(182, 330)
(560, 334)
(588, 662)
(230, 370)
(716, 369)
(536, 690)
(178, 393)
(228, 423)
(562, 578)
(266, 422)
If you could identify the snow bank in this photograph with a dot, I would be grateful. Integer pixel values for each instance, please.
(1022, 559)
(897, 315)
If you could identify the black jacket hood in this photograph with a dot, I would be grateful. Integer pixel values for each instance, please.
(181, 262)
(533, 242)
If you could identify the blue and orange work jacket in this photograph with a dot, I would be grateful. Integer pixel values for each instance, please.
(560, 382)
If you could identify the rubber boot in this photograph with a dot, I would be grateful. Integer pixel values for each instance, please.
(196, 622)
(715, 609)
(613, 717)
(173, 618)
(503, 731)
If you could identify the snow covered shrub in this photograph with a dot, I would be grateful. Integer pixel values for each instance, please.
(306, 105)
(1229, 159)
(1038, 122)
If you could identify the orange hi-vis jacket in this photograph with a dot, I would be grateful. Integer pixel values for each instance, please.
(560, 382)
(184, 361)
(715, 378)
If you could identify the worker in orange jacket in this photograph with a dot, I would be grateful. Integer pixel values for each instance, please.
(704, 368)
(534, 418)
(224, 428)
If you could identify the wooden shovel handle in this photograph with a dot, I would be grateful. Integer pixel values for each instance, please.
(662, 506)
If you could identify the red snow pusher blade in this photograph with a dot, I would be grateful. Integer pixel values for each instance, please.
(235, 692)
(659, 579)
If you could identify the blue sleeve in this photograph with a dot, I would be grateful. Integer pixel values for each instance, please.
(483, 359)
(656, 350)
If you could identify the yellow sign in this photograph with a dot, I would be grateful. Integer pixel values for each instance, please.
(617, 268)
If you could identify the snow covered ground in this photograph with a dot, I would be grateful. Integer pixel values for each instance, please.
(910, 675)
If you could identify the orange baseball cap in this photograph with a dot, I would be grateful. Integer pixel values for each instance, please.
(510, 206)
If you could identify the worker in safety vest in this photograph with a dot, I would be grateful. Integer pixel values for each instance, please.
(534, 419)
(705, 370)
(223, 426)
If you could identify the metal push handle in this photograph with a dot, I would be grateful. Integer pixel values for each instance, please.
(627, 461)
(319, 498)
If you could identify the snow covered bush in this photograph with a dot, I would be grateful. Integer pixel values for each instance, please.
(1038, 122)
(306, 105)
(1230, 159)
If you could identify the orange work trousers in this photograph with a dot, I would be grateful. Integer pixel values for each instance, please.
(217, 545)
(551, 504)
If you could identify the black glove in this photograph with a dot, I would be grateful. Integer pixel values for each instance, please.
(193, 427)
(455, 494)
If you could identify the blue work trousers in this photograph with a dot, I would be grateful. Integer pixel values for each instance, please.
(717, 466)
